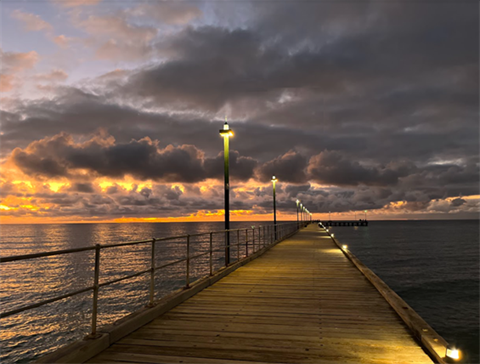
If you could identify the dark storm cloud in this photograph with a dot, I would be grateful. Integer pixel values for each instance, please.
(61, 156)
(289, 167)
(331, 167)
(83, 187)
(241, 167)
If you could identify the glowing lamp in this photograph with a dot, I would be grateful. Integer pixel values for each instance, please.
(344, 247)
(333, 235)
(452, 353)
(226, 131)
(274, 179)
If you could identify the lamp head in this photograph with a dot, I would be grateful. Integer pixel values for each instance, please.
(297, 202)
(226, 131)
(274, 179)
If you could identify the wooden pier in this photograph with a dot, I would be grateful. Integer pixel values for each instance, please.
(345, 223)
(303, 301)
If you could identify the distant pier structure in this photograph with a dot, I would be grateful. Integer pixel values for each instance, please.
(344, 223)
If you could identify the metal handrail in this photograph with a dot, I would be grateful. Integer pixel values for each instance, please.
(267, 235)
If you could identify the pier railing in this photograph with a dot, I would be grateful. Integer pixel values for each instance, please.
(250, 239)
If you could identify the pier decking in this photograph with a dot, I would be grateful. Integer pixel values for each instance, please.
(303, 301)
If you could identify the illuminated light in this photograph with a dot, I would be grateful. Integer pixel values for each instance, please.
(453, 353)
(333, 235)
(344, 247)
(274, 179)
(226, 131)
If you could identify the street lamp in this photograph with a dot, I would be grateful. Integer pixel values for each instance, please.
(365, 215)
(301, 214)
(226, 133)
(298, 226)
(274, 180)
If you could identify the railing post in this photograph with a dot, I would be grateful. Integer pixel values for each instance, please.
(95, 290)
(253, 239)
(152, 275)
(264, 236)
(211, 253)
(187, 278)
(238, 245)
(246, 242)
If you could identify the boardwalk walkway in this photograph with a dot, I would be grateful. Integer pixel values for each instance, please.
(301, 302)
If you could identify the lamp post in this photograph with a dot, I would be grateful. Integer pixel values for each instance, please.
(298, 226)
(365, 215)
(274, 180)
(226, 133)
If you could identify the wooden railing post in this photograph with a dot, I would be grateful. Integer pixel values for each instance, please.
(246, 242)
(253, 239)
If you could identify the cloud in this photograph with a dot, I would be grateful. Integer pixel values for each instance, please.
(6, 82)
(13, 62)
(168, 12)
(62, 41)
(56, 75)
(289, 167)
(76, 3)
(61, 156)
(331, 167)
(32, 22)
(115, 38)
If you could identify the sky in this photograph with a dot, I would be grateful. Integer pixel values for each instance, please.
(110, 110)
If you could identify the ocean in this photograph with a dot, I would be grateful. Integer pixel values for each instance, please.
(432, 265)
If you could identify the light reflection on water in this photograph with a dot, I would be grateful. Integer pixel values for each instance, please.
(30, 334)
